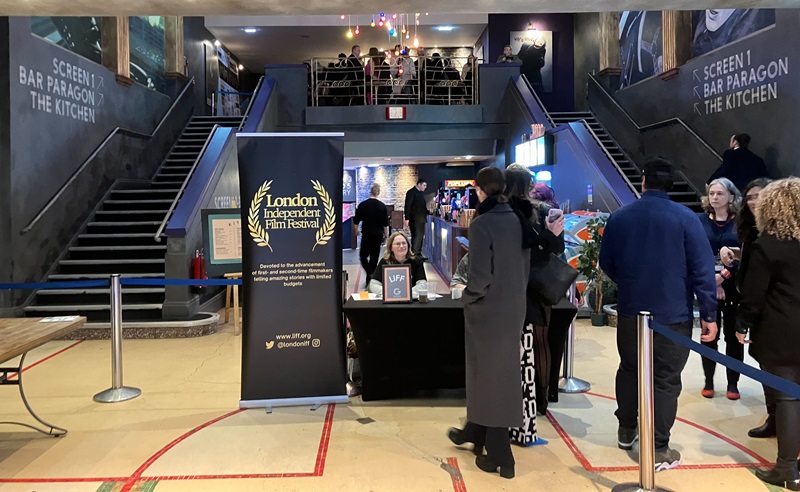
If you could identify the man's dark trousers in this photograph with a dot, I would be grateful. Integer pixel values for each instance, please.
(669, 359)
(369, 252)
(417, 226)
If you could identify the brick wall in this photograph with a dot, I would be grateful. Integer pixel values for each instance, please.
(394, 181)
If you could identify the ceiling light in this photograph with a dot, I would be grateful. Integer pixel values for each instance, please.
(444, 28)
(241, 67)
(217, 43)
(373, 165)
(457, 158)
(250, 30)
(387, 158)
(468, 157)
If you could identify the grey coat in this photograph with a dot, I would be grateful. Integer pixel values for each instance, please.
(494, 312)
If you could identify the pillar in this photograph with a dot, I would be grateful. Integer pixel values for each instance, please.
(676, 28)
(609, 43)
(174, 66)
(115, 43)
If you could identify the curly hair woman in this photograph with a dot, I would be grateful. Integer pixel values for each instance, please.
(770, 309)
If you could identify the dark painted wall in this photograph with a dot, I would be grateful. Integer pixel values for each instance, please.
(771, 124)
(194, 35)
(500, 25)
(587, 54)
(45, 147)
(5, 164)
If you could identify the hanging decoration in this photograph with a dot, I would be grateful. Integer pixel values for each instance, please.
(349, 29)
(372, 24)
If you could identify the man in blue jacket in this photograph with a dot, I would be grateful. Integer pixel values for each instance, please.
(656, 252)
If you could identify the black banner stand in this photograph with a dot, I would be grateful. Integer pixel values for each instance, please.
(293, 346)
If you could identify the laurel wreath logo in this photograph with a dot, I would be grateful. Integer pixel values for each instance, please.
(260, 236)
(325, 233)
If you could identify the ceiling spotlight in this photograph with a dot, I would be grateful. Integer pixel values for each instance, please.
(445, 28)
(241, 67)
(217, 43)
(250, 30)
(342, 16)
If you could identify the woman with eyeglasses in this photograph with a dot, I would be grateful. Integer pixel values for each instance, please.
(721, 204)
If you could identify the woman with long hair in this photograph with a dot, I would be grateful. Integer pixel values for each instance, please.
(398, 252)
(769, 311)
(720, 205)
(748, 232)
(547, 238)
(494, 312)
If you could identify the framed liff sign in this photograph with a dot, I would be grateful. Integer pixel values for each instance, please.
(396, 283)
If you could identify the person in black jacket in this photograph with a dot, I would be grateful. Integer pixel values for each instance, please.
(546, 238)
(739, 164)
(416, 213)
(770, 309)
(748, 233)
(374, 220)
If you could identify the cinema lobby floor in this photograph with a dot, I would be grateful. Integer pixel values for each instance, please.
(186, 433)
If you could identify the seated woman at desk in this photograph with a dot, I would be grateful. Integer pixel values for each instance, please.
(397, 253)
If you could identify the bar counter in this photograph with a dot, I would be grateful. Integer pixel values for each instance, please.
(443, 247)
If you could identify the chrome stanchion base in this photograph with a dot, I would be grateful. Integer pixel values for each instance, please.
(353, 389)
(635, 487)
(113, 395)
(573, 385)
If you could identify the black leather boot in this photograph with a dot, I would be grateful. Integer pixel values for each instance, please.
(486, 464)
(471, 433)
(767, 429)
(788, 478)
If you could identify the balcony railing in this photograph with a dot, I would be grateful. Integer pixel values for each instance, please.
(390, 79)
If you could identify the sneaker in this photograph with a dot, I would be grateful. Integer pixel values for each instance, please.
(626, 438)
(667, 459)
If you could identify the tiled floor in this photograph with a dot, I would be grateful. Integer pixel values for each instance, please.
(186, 433)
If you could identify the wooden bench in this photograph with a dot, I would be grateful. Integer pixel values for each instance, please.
(20, 335)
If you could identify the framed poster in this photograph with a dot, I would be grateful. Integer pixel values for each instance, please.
(397, 283)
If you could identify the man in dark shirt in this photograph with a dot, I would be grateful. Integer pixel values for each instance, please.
(374, 220)
(658, 255)
(416, 213)
(739, 164)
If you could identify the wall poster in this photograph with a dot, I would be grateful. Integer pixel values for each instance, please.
(716, 28)
(535, 49)
(640, 46)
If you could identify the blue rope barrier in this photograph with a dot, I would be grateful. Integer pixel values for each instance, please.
(771, 380)
(75, 284)
(181, 281)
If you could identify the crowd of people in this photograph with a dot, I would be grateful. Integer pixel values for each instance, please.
(393, 76)
(738, 259)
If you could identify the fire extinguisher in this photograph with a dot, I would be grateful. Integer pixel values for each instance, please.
(199, 271)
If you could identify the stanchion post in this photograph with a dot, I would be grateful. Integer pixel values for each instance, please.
(117, 392)
(569, 383)
(647, 449)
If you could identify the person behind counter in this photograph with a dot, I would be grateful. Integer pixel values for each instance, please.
(397, 253)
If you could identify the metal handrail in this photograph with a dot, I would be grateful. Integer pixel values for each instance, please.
(255, 93)
(656, 125)
(608, 154)
(115, 131)
(163, 225)
(539, 101)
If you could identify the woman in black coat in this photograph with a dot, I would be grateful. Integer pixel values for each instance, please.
(546, 238)
(747, 232)
(770, 311)
(494, 311)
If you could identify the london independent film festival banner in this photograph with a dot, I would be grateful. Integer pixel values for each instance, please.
(292, 346)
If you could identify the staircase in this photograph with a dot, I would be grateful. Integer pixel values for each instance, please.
(681, 191)
(120, 238)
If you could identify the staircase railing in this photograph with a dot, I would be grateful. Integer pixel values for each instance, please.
(174, 203)
(535, 107)
(252, 100)
(100, 148)
(631, 135)
(610, 158)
